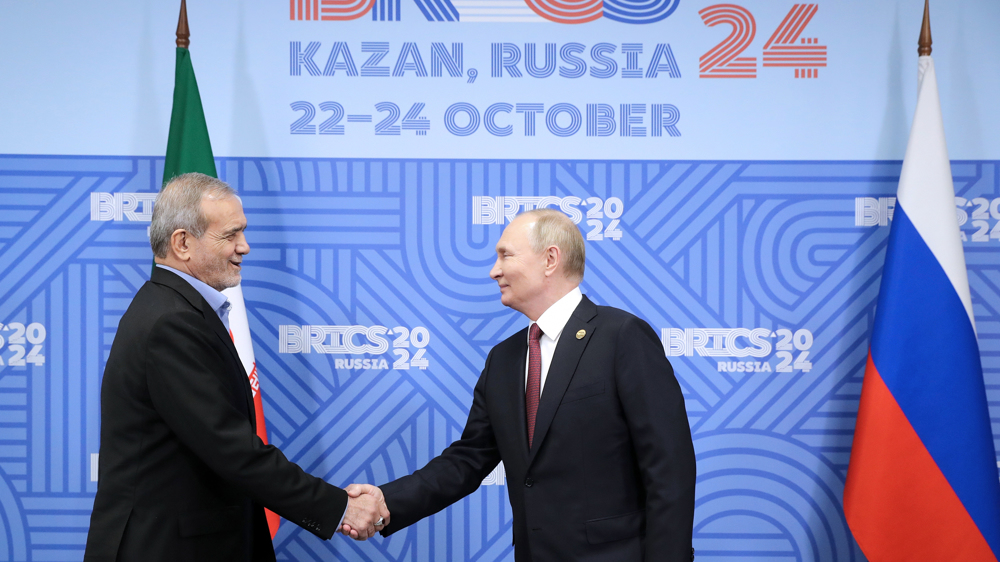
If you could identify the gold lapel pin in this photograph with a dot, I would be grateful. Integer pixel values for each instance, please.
(580, 334)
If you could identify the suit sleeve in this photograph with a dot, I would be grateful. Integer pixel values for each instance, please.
(190, 385)
(658, 423)
(455, 473)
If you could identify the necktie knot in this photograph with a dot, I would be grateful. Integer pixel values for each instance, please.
(535, 333)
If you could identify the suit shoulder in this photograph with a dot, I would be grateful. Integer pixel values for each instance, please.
(617, 316)
(152, 303)
(624, 323)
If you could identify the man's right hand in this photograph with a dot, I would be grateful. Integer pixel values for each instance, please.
(365, 506)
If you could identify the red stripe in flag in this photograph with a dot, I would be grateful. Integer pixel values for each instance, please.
(897, 502)
(273, 519)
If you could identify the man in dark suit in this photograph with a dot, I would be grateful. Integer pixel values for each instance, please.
(584, 411)
(182, 473)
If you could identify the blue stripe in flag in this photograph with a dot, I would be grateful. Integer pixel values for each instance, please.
(925, 349)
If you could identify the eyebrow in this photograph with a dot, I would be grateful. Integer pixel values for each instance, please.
(234, 230)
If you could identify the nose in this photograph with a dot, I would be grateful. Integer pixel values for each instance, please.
(242, 246)
(496, 272)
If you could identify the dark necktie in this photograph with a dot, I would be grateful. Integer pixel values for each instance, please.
(533, 387)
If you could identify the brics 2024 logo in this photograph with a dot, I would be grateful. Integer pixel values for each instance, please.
(130, 207)
(785, 48)
(559, 11)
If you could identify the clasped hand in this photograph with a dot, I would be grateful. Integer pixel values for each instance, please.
(365, 505)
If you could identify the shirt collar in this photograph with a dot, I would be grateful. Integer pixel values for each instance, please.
(215, 299)
(554, 319)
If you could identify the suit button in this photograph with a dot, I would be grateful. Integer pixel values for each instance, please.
(528, 482)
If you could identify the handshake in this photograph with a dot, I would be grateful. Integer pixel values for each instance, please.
(366, 512)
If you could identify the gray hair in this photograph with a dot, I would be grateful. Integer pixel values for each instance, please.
(178, 206)
(553, 228)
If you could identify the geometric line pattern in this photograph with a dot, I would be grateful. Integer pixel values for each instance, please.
(392, 243)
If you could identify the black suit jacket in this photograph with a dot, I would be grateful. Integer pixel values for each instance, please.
(182, 473)
(611, 473)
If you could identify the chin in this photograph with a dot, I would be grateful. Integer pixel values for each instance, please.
(231, 282)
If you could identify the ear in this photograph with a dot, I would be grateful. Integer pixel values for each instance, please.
(180, 244)
(553, 258)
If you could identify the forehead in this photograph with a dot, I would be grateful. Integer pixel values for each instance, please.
(224, 212)
(515, 235)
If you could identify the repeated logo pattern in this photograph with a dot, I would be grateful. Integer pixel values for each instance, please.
(752, 245)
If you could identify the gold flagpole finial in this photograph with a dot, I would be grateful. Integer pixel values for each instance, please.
(183, 33)
(924, 43)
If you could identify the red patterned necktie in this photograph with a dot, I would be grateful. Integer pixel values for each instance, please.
(534, 384)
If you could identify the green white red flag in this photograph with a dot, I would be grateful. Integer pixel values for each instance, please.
(189, 150)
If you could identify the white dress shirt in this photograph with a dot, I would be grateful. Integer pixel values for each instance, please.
(218, 301)
(552, 322)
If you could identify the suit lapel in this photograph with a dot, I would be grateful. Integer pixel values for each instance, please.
(227, 340)
(567, 356)
(189, 293)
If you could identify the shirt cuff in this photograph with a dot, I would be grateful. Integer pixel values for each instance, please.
(341, 524)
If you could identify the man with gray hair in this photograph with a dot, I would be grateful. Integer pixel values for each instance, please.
(584, 411)
(182, 473)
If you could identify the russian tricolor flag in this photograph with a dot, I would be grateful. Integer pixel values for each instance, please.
(922, 482)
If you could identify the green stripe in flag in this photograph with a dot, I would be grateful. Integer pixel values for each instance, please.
(188, 147)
